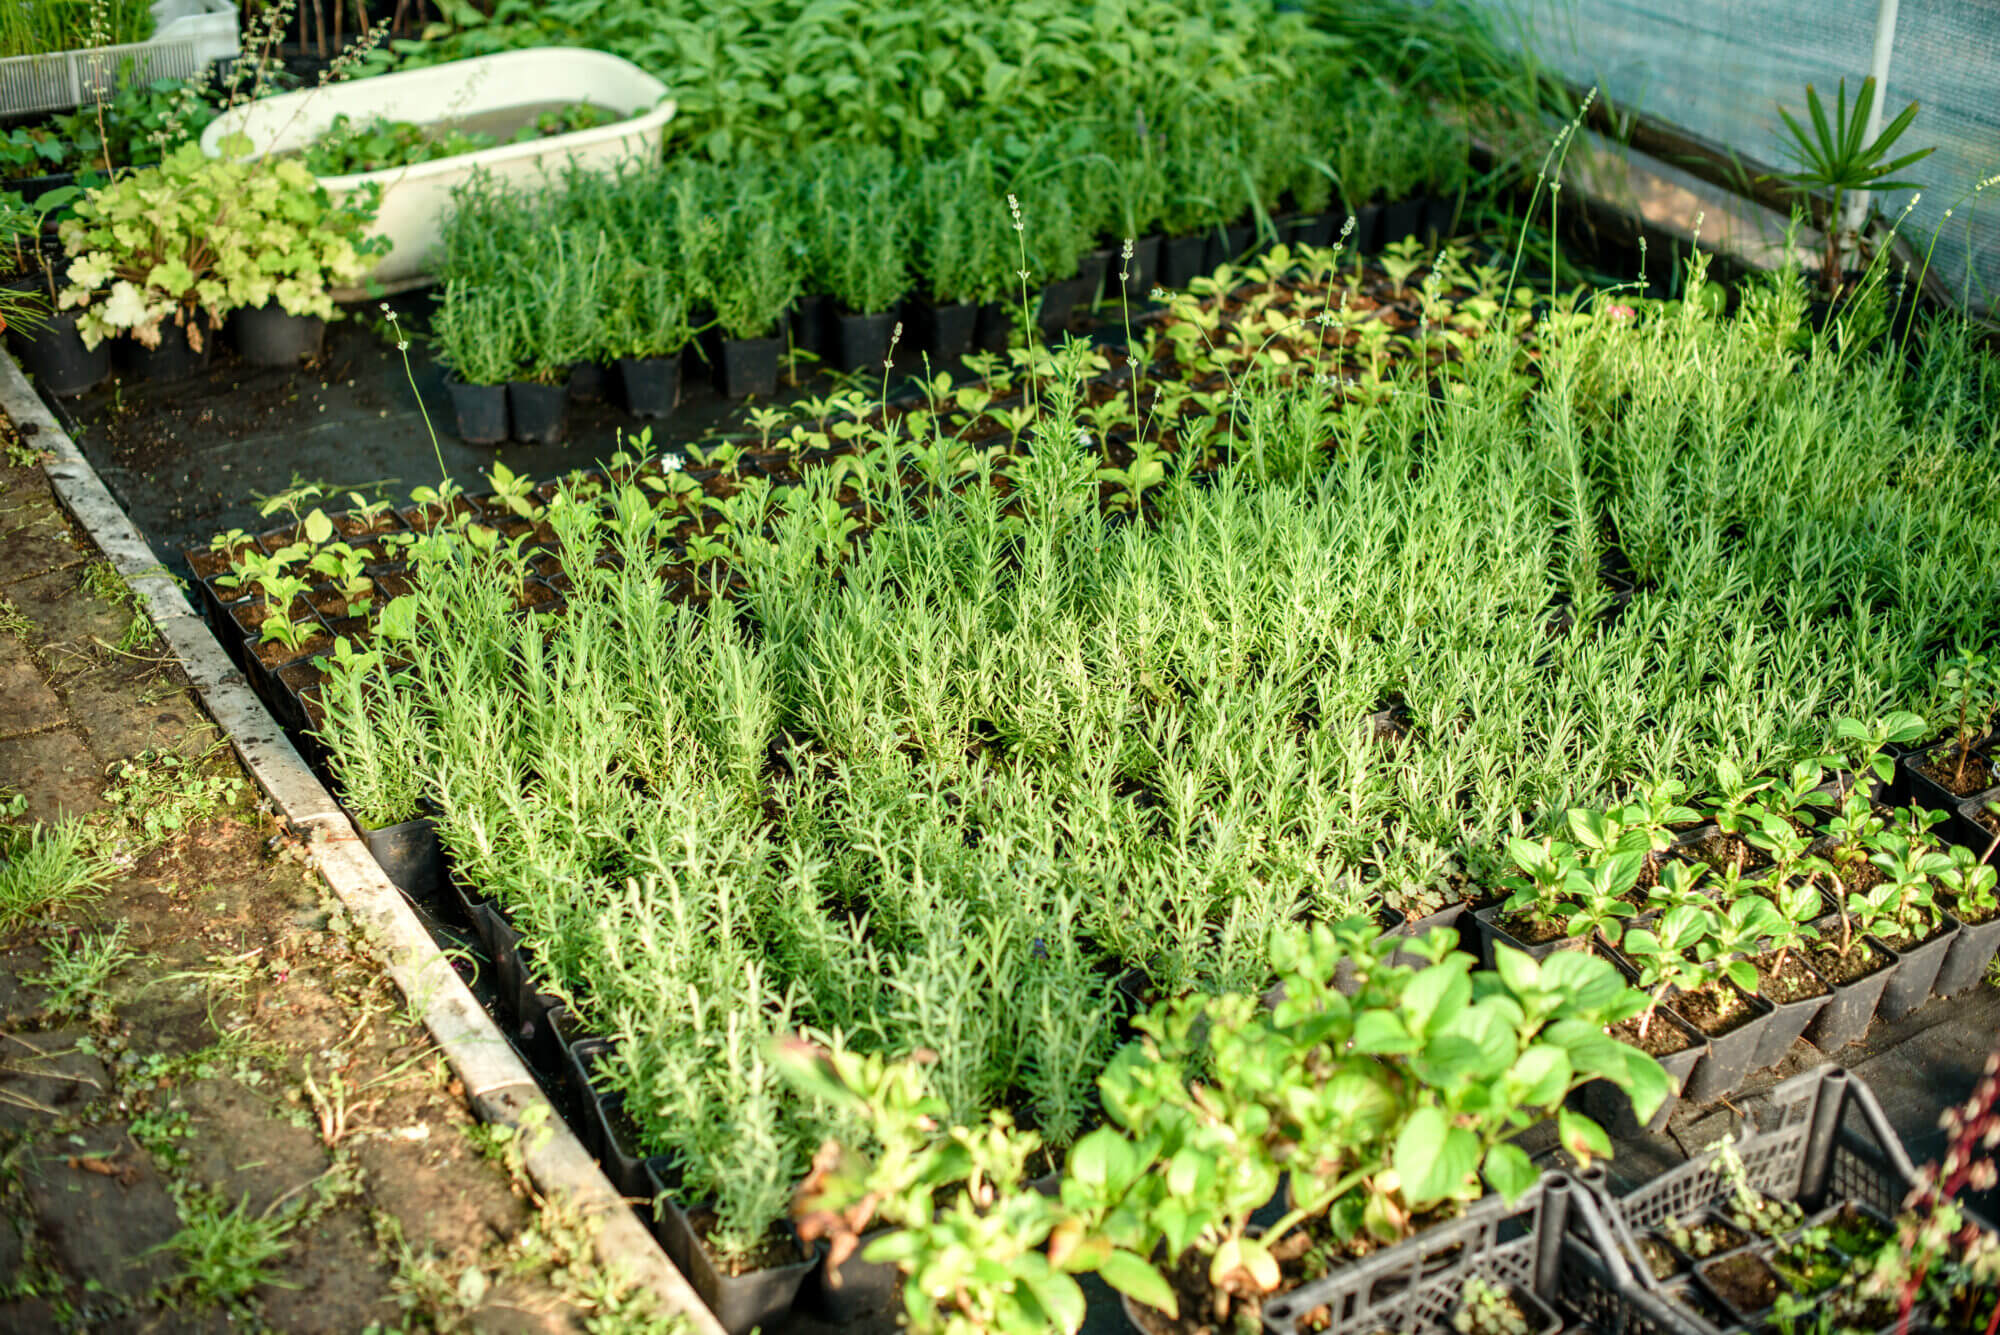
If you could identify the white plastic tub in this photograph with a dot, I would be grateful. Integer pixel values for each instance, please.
(415, 198)
(187, 35)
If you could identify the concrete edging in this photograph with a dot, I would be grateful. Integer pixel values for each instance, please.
(497, 1083)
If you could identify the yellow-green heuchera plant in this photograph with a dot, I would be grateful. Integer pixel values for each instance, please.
(193, 238)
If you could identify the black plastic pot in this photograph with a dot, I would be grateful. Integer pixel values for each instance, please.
(1612, 1107)
(808, 322)
(944, 333)
(995, 327)
(1920, 789)
(536, 414)
(175, 358)
(1910, 986)
(1227, 245)
(1491, 933)
(1143, 269)
(32, 188)
(650, 386)
(409, 855)
(1314, 229)
(1399, 220)
(604, 1119)
(272, 336)
(740, 1302)
(1181, 260)
(1059, 299)
(1090, 276)
(1440, 216)
(1731, 1056)
(858, 1289)
(748, 366)
(586, 380)
(861, 342)
(55, 356)
(1367, 236)
(1971, 954)
(1417, 928)
(480, 411)
(1788, 1020)
(1848, 1013)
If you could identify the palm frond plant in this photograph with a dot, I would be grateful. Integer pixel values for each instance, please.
(1836, 158)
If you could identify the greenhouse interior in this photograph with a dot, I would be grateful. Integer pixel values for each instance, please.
(809, 666)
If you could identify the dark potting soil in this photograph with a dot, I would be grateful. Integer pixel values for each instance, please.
(1724, 851)
(1942, 769)
(275, 654)
(1712, 1237)
(1659, 1257)
(775, 1250)
(1905, 941)
(1794, 982)
(1973, 917)
(1660, 1039)
(1531, 930)
(1862, 960)
(1713, 1008)
(1744, 1281)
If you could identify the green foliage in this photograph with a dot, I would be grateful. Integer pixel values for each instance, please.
(191, 239)
(225, 1252)
(348, 146)
(46, 866)
(1379, 1108)
(72, 25)
(1837, 157)
(77, 970)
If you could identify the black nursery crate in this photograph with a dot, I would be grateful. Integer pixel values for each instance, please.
(1537, 1245)
(1823, 1142)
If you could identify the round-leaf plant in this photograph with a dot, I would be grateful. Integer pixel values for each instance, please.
(191, 239)
(1374, 1111)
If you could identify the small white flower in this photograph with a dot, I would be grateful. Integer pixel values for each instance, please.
(672, 463)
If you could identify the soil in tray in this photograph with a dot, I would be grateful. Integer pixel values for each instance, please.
(777, 1249)
(1862, 960)
(1661, 1039)
(1744, 1281)
(1907, 942)
(1794, 982)
(1532, 931)
(1659, 1258)
(1723, 851)
(1941, 768)
(273, 654)
(1709, 1237)
(1713, 1008)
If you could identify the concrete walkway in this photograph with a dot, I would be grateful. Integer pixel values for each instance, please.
(215, 1112)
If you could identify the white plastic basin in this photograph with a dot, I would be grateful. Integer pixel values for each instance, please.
(415, 198)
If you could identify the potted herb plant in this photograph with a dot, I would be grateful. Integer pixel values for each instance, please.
(752, 281)
(162, 254)
(1853, 959)
(963, 251)
(1955, 768)
(1969, 893)
(1908, 916)
(858, 235)
(479, 344)
(647, 327)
